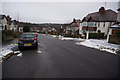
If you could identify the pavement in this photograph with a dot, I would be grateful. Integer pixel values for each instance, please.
(61, 59)
(8, 48)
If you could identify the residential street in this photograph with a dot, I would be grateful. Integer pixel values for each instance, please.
(61, 59)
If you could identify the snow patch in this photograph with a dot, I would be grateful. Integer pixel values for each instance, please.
(100, 44)
(5, 50)
(67, 38)
(54, 35)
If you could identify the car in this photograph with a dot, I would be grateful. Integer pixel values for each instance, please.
(28, 40)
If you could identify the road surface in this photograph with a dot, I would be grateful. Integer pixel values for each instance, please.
(61, 59)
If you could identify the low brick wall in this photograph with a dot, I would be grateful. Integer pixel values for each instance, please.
(8, 35)
(114, 40)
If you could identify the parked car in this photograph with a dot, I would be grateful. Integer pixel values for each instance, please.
(28, 40)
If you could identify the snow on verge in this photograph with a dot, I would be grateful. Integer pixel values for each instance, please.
(67, 38)
(93, 43)
(4, 51)
(54, 35)
(100, 44)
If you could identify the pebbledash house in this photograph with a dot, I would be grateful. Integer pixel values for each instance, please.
(98, 21)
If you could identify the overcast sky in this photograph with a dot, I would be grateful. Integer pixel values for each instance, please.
(52, 12)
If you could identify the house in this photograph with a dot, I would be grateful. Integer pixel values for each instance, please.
(113, 30)
(4, 22)
(7, 23)
(98, 21)
(73, 27)
(68, 29)
(15, 25)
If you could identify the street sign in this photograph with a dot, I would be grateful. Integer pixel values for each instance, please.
(20, 29)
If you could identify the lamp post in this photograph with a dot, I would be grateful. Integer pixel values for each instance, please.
(87, 33)
(61, 30)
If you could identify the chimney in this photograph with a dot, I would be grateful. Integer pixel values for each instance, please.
(74, 20)
(101, 10)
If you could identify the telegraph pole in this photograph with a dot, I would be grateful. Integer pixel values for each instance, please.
(105, 4)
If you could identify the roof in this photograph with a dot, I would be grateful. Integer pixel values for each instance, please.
(115, 26)
(75, 23)
(101, 15)
(2, 16)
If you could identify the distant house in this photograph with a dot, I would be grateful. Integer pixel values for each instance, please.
(73, 27)
(68, 29)
(4, 22)
(98, 21)
(7, 23)
(15, 25)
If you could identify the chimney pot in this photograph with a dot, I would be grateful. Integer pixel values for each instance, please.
(101, 10)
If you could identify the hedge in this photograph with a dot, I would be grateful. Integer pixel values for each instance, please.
(96, 36)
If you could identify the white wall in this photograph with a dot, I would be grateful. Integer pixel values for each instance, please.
(80, 28)
(102, 28)
(4, 22)
(12, 26)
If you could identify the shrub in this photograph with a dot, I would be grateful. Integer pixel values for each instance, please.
(96, 36)
(26, 29)
(58, 33)
(68, 35)
(118, 51)
(117, 34)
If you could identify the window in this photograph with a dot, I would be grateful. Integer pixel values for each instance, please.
(84, 24)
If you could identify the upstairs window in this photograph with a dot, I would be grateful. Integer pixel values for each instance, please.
(84, 24)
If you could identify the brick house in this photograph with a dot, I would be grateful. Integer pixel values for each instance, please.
(98, 21)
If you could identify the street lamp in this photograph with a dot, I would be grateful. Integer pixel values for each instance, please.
(87, 34)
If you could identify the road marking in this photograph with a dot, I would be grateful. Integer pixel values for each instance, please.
(16, 52)
(39, 52)
(19, 55)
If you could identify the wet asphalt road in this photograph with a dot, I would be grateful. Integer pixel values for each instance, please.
(61, 59)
